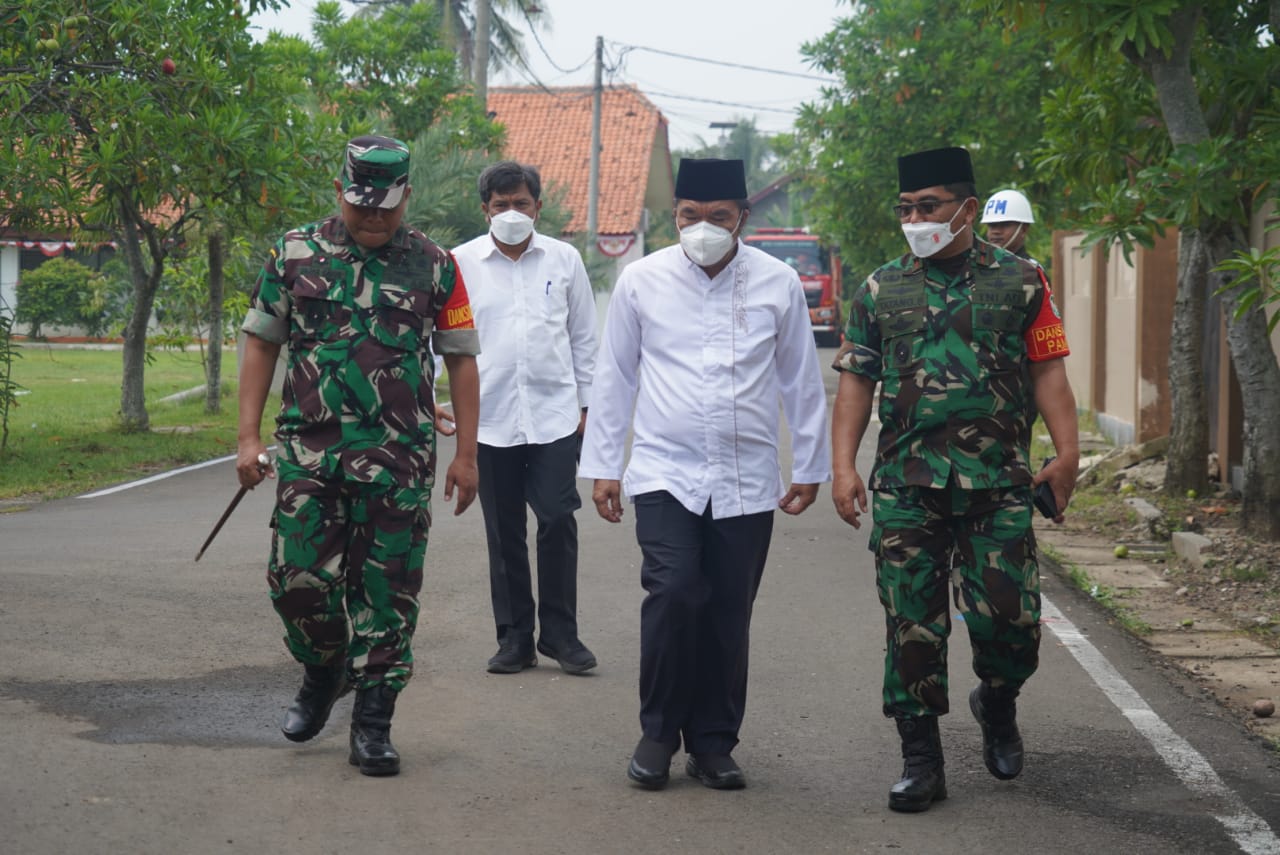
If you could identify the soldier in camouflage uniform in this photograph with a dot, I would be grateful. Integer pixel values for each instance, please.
(967, 346)
(359, 299)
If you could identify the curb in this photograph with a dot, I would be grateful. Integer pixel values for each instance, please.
(1222, 659)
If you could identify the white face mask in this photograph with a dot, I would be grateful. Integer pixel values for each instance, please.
(510, 227)
(927, 239)
(705, 244)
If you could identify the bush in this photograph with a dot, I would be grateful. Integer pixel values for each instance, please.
(61, 292)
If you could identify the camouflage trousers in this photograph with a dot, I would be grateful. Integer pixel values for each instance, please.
(345, 572)
(982, 542)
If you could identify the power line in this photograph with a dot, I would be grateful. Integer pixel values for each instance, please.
(720, 103)
(537, 83)
(626, 48)
(524, 10)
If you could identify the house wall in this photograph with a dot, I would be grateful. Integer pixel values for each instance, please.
(1119, 316)
(1119, 413)
(1264, 232)
(1074, 292)
(8, 279)
(1158, 274)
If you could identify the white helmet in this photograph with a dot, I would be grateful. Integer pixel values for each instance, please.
(1008, 206)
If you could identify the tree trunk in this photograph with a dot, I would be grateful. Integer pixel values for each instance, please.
(1186, 465)
(133, 403)
(480, 59)
(1251, 353)
(1258, 372)
(1186, 462)
(213, 367)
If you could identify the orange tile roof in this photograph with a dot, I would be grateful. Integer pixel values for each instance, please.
(551, 129)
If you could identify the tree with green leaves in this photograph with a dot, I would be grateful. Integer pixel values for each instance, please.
(1257, 274)
(507, 19)
(388, 68)
(915, 75)
(1171, 117)
(136, 119)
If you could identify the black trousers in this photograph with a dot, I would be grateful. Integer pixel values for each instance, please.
(701, 575)
(543, 478)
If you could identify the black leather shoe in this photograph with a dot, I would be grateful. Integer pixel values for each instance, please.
(650, 765)
(996, 711)
(321, 688)
(512, 657)
(924, 781)
(574, 657)
(371, 747)
(717, 771)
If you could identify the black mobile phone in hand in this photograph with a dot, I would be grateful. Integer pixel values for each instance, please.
(1043, 496)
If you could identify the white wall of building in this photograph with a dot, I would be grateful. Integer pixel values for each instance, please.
(8, 278)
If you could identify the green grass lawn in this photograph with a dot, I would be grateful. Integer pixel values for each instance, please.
(64, 434)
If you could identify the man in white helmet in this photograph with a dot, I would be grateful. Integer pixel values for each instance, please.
(1008, 218)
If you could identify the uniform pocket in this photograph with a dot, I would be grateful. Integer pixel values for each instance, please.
(997, 334)
(902, 322)
(1000, 319)
(902, 332)
(901, 354)
(319, 312)
(400, 316)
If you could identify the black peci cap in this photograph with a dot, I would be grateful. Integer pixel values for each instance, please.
(934, 168)
(710, 179)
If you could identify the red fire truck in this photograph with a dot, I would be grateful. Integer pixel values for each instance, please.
(819, 269)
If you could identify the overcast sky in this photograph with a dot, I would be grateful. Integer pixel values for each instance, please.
(767, 36)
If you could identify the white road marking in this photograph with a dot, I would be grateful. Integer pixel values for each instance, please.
(1249, 831)
(120, 487)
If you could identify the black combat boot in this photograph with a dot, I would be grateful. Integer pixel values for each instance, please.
(371, 747)
(322, 685)
(996, 711)
(923, 779)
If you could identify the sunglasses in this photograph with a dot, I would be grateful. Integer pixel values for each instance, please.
(924, 206)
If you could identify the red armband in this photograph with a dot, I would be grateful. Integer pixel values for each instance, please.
(1046, 339)
(456, 313)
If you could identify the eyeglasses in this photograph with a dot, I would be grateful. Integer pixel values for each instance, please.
(924, 206)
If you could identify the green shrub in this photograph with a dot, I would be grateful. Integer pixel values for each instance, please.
(61, 292)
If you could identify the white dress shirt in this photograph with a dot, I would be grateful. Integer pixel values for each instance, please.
(536, 317)
(705, 362)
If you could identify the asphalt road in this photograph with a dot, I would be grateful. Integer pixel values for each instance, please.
(140, 694)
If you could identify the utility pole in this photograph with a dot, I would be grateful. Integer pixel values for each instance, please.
(593, 181)
(480, 61)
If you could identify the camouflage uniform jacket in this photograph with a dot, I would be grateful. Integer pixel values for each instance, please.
(357, 399)
(949, 345)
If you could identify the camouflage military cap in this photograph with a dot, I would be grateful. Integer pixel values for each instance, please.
(375, 172)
